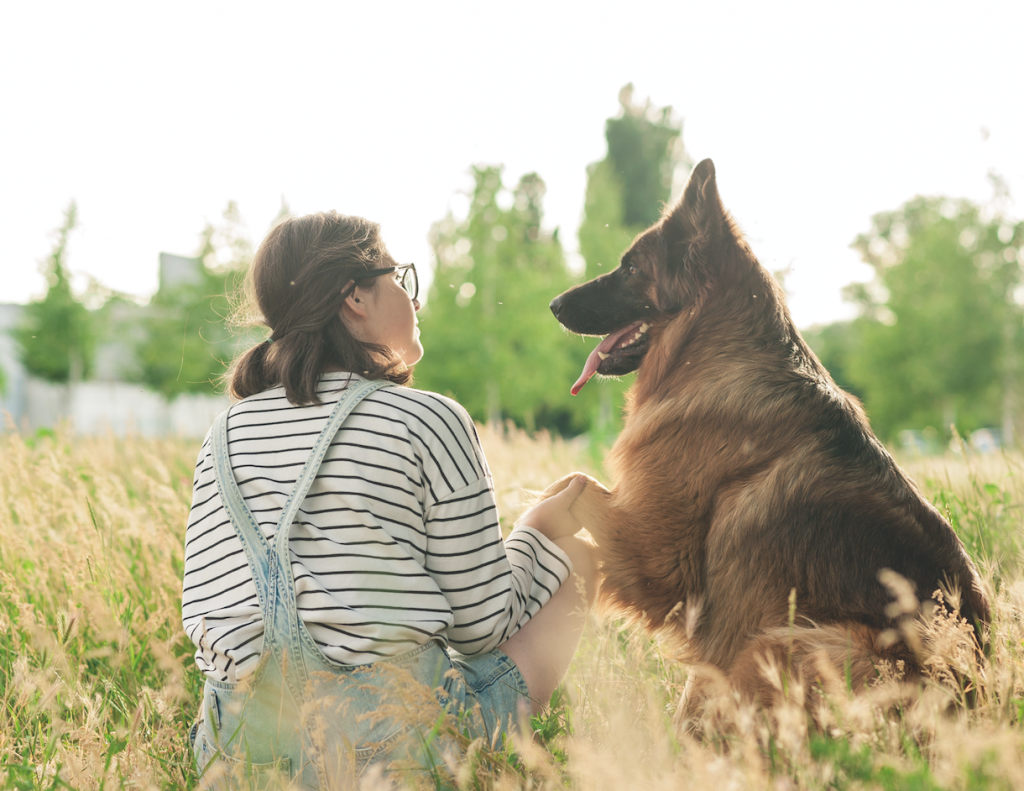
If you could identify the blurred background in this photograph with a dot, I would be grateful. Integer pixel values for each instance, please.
(871, 152)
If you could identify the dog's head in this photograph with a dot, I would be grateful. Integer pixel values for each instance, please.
(667, 269)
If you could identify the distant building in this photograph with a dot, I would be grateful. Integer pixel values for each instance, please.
(115, 359)
(176, 270)
(110, 400)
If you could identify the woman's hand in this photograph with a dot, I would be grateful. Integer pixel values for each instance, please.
(551, 515)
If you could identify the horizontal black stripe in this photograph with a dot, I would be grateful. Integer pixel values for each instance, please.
(349, 650)
(369, 573)
(205, 533)
(491, 581)
(338, 630)
(460, 517)
(450, 536)
(237, 427)
(213, 562)
(478, 603)
(471, 551)
(221, 592)
(203, 502)
(468, 570)
(188, 588)
(450, 500)
(382, 518)
(254, 605)
(231, 631)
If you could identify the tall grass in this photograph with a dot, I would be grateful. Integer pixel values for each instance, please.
(98, 684)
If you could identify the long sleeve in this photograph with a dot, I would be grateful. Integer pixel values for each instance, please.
(492, 586)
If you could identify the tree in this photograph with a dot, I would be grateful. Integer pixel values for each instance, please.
(56, 338)
(834, 343)
(626, 192)
(187, 344)
(644, 145)
(940, 324)
(490, 340)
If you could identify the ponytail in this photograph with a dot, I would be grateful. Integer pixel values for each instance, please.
(248, 372)
(294, 287)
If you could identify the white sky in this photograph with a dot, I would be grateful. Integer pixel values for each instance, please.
(817, 116)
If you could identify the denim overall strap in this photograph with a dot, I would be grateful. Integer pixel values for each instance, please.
(257, 549)
(287, 626)
(271, 569)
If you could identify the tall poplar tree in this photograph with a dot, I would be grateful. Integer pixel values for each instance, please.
(56, 337)
(626, 192)
(489, 337)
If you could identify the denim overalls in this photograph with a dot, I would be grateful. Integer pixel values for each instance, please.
(304, 717)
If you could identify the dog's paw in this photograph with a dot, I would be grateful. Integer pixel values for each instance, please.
(592, 509)
(594, 484)
(561, 484)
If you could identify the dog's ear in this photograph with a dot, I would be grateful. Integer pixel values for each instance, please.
(698, 220)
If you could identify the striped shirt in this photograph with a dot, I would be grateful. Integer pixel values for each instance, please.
(396, 543)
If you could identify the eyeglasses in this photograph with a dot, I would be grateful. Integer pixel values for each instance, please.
(409, 279)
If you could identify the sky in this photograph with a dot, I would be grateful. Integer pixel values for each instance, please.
(817, 116)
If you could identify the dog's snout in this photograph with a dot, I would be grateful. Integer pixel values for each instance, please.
(556, 305)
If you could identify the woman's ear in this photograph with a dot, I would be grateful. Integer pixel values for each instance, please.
(355, 302)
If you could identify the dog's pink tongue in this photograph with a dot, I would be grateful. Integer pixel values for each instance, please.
(594, 360)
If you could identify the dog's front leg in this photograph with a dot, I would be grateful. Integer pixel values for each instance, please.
(592, 509)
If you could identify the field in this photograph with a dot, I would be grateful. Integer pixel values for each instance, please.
(99, 688)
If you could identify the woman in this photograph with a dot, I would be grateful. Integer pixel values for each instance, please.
(343, 534)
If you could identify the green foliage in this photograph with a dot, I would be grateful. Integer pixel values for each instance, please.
(490, 339)
(56, 338)
(936, 343)
(834, 343)
(625, 194)
(851, 768)
(554, 723)
(983, 513)
(628, 188)
(644, 146)
(187, 344)
(603, 235)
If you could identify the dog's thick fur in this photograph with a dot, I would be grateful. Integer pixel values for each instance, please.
(743, 472)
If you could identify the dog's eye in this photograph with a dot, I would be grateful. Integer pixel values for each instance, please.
(632, 269)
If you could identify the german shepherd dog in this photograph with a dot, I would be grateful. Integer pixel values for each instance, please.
(744, 473)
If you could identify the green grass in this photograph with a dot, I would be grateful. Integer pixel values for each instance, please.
(99, 688)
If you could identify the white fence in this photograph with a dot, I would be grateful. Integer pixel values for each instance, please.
(117, 407)
(94, 407)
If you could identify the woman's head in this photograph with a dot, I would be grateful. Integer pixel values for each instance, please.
(382, 309)
(300, 285)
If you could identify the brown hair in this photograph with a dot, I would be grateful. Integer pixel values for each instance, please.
(294, 288)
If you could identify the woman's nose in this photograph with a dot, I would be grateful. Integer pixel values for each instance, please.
(416, 304)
